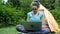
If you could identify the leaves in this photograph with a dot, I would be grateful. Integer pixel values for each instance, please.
(15, 11)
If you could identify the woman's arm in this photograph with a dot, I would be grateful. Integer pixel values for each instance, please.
(27, 19)
(44, 22)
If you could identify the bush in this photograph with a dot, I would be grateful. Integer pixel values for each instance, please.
(56, 14)
(12, 16)
(9, 16)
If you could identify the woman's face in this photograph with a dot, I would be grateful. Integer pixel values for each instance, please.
(34, 8)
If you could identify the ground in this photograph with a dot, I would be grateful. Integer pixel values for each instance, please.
(10, 30)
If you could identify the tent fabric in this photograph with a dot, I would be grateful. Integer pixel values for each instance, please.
(50, 20)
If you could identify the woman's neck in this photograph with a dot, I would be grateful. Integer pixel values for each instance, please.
(35, 12)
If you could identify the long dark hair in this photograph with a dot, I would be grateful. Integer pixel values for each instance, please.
(35, 3)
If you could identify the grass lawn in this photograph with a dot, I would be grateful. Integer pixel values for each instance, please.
(10, 30)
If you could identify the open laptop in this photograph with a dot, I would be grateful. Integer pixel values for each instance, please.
(32, 26)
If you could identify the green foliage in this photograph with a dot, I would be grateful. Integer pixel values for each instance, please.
(14, 2)
(48, 3)
(16, 11)
(56, 13)
(9, 16)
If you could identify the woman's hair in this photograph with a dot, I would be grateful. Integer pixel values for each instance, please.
(35, 3)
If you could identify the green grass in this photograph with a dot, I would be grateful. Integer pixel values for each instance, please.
(8, 30)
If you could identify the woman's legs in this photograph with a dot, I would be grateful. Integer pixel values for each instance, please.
(45, 31)
(20, 28)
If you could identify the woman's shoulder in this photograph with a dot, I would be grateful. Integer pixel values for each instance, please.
(29, 12)
(41, 12)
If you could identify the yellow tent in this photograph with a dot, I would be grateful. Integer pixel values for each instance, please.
(50, 20)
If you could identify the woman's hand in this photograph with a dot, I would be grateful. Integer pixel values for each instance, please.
(45, 26)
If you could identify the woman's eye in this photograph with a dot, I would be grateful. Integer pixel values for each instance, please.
(34, 9)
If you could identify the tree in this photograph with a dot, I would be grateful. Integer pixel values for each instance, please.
(59, 2)
(51, 4)
(15, 3)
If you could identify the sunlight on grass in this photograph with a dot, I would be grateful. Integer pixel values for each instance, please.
(8, 30)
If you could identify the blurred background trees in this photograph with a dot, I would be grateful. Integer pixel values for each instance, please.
(14, 11)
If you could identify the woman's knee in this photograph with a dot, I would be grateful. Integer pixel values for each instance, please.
(46, 30)
(20, 28)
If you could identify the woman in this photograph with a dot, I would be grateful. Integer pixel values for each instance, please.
(50, 20)
(36, 16)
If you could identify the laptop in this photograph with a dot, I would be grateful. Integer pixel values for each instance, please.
(32, 26)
